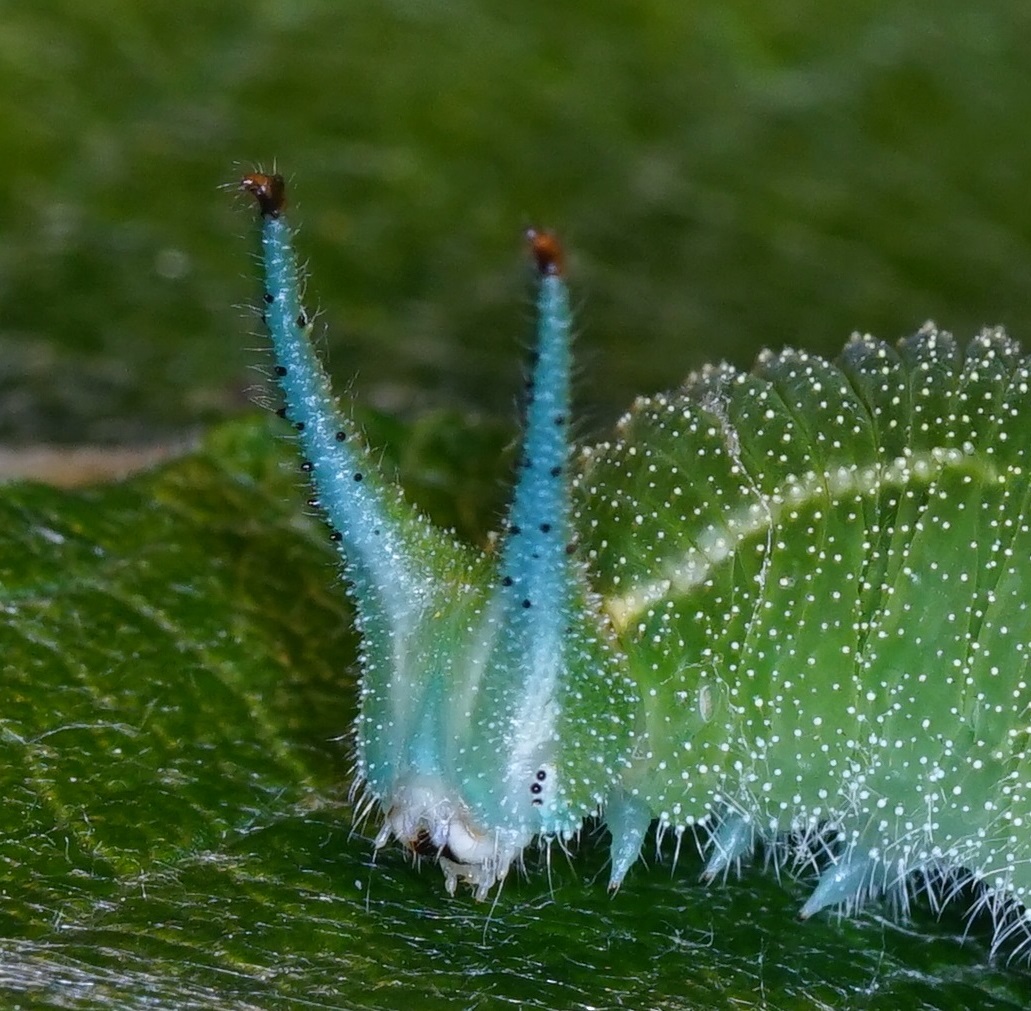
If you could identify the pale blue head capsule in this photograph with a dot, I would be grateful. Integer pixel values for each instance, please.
(481, 676)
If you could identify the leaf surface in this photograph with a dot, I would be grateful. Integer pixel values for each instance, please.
(178, 682)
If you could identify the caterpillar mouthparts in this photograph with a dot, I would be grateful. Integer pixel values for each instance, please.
(785, 610)
(423, 814)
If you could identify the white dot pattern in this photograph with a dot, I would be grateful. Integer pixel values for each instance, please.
(821, 576)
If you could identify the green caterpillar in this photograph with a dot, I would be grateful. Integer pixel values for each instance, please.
(783, 610)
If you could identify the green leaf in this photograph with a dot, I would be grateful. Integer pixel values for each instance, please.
(178, 683)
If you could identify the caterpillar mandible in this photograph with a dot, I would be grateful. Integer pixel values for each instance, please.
(784, 610)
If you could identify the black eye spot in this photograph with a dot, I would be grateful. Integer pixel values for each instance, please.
(545, 528)
(507, 581)
(268, 298)
(526, 603)
(556, 471)
(541, 775)
(537, 802)
(514, 529)
(560, 419)
(336, 536)
(280, 371)
(341, 436)
(281, 412)
(306, 466)
(299, 425)
(358, 476)
(536, 788)
(302, 320)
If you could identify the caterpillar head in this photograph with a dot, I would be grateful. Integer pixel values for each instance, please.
(483, 677)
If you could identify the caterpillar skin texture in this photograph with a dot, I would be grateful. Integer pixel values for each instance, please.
(784, 611)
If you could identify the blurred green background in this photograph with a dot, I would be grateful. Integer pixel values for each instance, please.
(726, 174)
